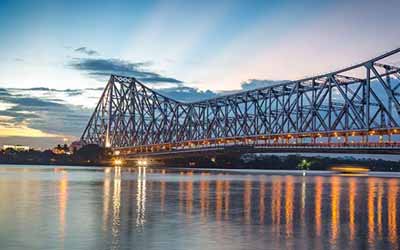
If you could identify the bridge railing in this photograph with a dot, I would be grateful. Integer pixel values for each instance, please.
(257, 144)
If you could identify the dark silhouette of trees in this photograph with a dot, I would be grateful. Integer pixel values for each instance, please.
(91, 153)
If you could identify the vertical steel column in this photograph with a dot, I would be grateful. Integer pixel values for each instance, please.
(368, 95)
(108, 142)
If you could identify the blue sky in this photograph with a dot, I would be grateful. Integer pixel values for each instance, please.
(203, 47)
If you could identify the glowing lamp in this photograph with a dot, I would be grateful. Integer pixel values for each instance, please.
(117, 162)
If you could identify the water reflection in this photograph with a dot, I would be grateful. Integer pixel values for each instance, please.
(116, 201)
(106, 196)
(318, 202)
(352, 198)
(303, 199)
(379, 207)
(289, 183)
(218, 197)
(163, 187)
(335, 208)
(262, 200)
(181, 192)
(129, 208)
(392, 211)
(371, 211)
(276, 204)
(247, 200)
(204, 198)
(226, 198)
(189, 196)
(62, 200)
(141, 196)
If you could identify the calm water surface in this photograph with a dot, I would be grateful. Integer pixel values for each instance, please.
(137, 208)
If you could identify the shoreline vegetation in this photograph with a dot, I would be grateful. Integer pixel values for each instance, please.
(90, 155)
(93, 155)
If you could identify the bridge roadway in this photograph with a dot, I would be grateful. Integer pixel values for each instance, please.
(240, 149)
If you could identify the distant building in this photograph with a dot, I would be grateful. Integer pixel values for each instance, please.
(16, 147)
(75, 146)
(60, 150)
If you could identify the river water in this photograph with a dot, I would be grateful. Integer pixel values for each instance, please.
(144, 208)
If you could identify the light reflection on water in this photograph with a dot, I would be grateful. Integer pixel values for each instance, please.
(122, 208)
(63, 198)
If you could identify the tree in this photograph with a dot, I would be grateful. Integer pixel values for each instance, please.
(91, 153)
(304, 164)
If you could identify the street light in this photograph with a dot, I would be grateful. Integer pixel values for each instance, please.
(117, 162)
(142, 163)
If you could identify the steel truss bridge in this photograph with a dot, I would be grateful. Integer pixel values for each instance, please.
(355, 109)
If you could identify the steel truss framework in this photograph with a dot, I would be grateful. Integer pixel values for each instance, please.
(360, 100)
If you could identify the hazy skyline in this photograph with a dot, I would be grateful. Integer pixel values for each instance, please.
(181, 46)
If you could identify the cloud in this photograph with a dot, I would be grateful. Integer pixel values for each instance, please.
(22, 130)
(103, 68)
(187, 94)
(3, 92)
(52, 112)
(86, 51)
(257, 83)
(34, 103)
(69, 92)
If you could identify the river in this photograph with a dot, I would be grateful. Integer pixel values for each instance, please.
(144, 208)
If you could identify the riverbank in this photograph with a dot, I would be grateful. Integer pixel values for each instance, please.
(282, 162)
(92, 155)
(291, 172)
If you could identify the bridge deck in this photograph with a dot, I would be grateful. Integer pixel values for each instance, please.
(354, 148)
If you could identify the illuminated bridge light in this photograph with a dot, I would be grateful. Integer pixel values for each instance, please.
(118, 162)
(142, 162)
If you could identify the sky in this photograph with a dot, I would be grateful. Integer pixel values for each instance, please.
(56, 56)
